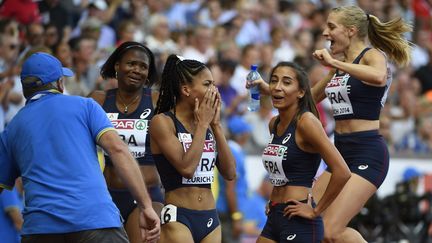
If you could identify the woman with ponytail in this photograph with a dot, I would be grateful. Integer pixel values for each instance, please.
(187, 142)
(357, 88)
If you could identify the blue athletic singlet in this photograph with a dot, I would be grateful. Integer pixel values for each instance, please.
(133, 127)
(352, 99)
(285, 162)
(204, 173)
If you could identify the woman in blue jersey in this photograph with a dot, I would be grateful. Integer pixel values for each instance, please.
(187, 142)
(357, 89)
(130, 108)
(298, 141)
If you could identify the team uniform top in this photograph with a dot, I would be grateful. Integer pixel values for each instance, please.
(286, 163)
(352, 99)
(133, 127)
(204, 173)
(51, 143)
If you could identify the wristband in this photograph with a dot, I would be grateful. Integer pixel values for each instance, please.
(236, 216)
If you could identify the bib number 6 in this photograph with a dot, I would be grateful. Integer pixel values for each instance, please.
(168, 214)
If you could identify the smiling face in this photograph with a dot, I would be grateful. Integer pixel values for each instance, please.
(132, 69)
(336, 33)
(284, 88)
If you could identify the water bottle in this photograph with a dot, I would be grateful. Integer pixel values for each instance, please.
(254, 93)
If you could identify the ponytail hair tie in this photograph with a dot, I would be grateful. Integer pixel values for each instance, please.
(180, 59)
(368, 17)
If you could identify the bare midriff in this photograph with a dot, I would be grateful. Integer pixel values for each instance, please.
(355, 125)
(281, 194)
(196, 198)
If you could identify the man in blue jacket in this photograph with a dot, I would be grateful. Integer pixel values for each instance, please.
(51, 144)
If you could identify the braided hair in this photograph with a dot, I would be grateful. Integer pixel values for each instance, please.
(176, 73)
(108, 70)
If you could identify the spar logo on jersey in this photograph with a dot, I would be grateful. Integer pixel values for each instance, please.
(141, 125)
(209, 146)
(275, 150)
(130, 124)
(338, 81)
(123, 124)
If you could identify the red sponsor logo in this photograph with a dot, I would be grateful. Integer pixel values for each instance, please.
(334, 82)
(208, 146)
(123, 124)
(274, 150)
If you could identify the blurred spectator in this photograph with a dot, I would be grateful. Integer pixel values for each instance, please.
(255, 30)
(200, 48)
(54, 13)
(419, 54)
(418, 141)
(283, 50)
(259, 122)
(255, 216)
(23, 11)
(424, 73)
(233, 194)
(95, 17)
(250, 55)
(125, 32)
(159, 39)
(86, 71)
(52, 36)
(34, 37)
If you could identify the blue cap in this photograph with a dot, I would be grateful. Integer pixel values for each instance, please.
(254, 67)
(45, 67)
(410, 173)
(237, 125)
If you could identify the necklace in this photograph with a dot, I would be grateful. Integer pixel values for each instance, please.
(130, 103)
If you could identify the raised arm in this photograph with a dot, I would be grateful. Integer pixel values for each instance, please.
(317, 90)
(372, 68)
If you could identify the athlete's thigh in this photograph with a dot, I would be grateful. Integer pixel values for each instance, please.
(262, 239)
(214, 237)
(320, 186)
(132, 227)
(173, 231)
(348, 203)
(157, 206)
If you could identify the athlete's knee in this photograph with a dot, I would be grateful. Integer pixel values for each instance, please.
(332, 234)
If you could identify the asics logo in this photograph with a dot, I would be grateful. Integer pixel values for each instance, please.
(291, 237)
(363, 167)
(145, 114)
(286, 138)
(210, 222)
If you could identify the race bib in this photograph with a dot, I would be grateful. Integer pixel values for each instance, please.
(168, 214)
(272, 158)
(204, 173)
(338, 92)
